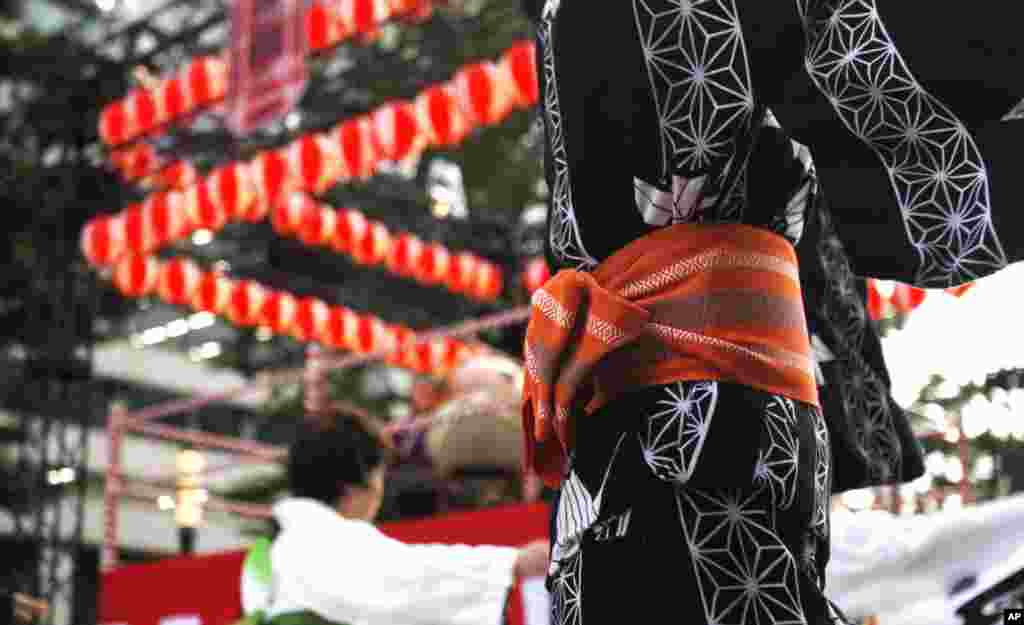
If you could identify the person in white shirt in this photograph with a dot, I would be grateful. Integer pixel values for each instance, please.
(330, 564)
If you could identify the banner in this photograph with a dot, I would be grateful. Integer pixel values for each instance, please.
(206, 590)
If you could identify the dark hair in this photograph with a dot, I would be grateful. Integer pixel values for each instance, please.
(323, 463)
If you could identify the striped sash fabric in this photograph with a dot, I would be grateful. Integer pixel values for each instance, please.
(687, 302)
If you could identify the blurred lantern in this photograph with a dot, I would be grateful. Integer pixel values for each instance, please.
(174, 97)
(165, 213)
(201, 209)
(402, 338)
(374, 244)
(462, 272)
(115, 125)
(289, 213)
(404, 254)
(207, 80)
(136, 275)
(488, 284)
(317, 226)
(350, 227)
(103, 240)
(362, 16)
(484, 97)
(179, 278)
(396, 131)
(177, 175)
(272, 177)
(520, 63)
(875, 304)
(145, 111)
(959, 291)
(245, 303)
(136, 230)
(535, 274)
(439, 113)
(278, 312)
(231, 188)
(317, 160)
(338, 320)
(358, 156)
(212, 293)
(311, 316)
(906, 298)
(323, 28)
(432, 264)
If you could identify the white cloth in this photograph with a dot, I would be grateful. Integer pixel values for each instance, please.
(349, 572)
(904, 569)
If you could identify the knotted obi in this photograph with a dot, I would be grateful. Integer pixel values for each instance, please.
(687, 302)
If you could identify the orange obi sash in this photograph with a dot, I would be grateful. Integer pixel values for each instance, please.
(686, 302)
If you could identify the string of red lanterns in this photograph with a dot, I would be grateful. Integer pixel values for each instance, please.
(903, 298)
(481, 94)
(245, 303)
(203, 81)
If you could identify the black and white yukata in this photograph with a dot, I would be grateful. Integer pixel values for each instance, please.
(707, 502)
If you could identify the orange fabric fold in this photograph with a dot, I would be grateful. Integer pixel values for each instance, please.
(687, 302)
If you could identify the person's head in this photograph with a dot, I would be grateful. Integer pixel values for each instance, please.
(341, 466)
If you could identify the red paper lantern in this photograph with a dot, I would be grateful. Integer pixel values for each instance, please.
(875, 303)
(439, 113)
(144, 110)
(317, 162)
(136, 275)
(245, 303)
(317, 226)
(288, 213)
(482, 96)
(177, 175)
(174, 97)
(488, 282)
(323, 29)
(349, 228)
(368, 333)
(165, 213)
(103, 240)
(373, 245)
(339, 319)
(906, 298)
(212, 293)
(462, 272)
(402, 339)
(137, 235)
(451, 354)
(115, 124)
(355, 140)
(423, 357)
(432, 264)
(404, 255)
(396, 131)
(278, 312)
(272, 178)
(535, 274)
(520, 64)
(311, 316)
(958, 291)
(231, 188)
(362, 16)
(207, 80)
(179, 278)
(201, 209)
(138, 161)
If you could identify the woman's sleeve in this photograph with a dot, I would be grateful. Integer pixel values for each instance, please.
(939, 206)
